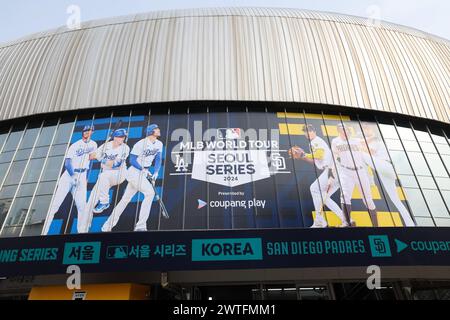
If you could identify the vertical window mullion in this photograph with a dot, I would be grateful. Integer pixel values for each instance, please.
(21, 179)
(395, 170)
(429, 168)
(6, 139)
(39, 179)
(414, 173)
(13, 157)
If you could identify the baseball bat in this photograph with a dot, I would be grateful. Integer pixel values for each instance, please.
(161, 203)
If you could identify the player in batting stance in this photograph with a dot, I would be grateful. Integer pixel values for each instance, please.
(143, 154)
(352, 169)
(383, 166)
(112, 155)
(74, 178)
(326, 184)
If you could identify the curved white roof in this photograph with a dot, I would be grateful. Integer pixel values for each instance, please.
(258, 54)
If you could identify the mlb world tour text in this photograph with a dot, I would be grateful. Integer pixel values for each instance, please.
(225, 160)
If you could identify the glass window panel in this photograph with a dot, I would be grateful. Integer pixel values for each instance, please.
(388, 131)
(405, 133)
(46, 136)
(446, 160)
(33, 170)
(393, 144)
(443, 148)
(4, 207)
(442, 222)
(446, 195)
(13, 141)
(408, 181)
(18, 212)
(428, 147)
(435, 203)
(3, 137)
(411, 146)
(438, 138)
(15, 172)
(443, 183)
(26, 190)
(426, 182)
(425, 222)
(6, 157)
(422, 136)
(8, 192)
(29, 138)
(52, 168)
(436, 166)
(401, 162)
(22, 155)
(63, 133)
(419, 164)
(3, 168)
(58, 150)
(46, 187)
(36, 216)
(40, 152)
(416, 202)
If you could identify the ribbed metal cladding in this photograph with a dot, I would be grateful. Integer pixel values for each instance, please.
(228, 54)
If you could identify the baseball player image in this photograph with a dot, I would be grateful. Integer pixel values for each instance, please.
(352, 169)
(381, 163)
(326, 184)
(112, 155)
(144, 153)
(74, 177)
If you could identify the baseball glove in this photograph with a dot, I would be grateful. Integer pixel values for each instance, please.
(296, 152)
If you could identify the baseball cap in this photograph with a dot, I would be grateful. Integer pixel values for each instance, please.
(151, 128)
(119, 133)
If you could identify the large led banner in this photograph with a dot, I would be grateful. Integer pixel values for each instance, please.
(226, 170)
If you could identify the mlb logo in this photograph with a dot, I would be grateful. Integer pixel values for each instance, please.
(229, 133)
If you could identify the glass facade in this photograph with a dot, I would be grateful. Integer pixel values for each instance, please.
(221, 168)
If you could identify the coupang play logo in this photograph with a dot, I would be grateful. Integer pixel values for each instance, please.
(227, 156)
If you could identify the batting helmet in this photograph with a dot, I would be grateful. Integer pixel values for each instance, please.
(151, 128)
(88, 128)
(119, 133)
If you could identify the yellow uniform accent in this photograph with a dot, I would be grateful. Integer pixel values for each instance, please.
(318, 153)
(375, 193)
(120, 291)
(401, 194)
(362, 219)
(297, 129)
(295, 115)
(293, 129)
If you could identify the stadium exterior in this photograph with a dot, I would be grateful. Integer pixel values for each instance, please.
(254, 124)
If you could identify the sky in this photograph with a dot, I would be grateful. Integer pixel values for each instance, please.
(19, 18)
